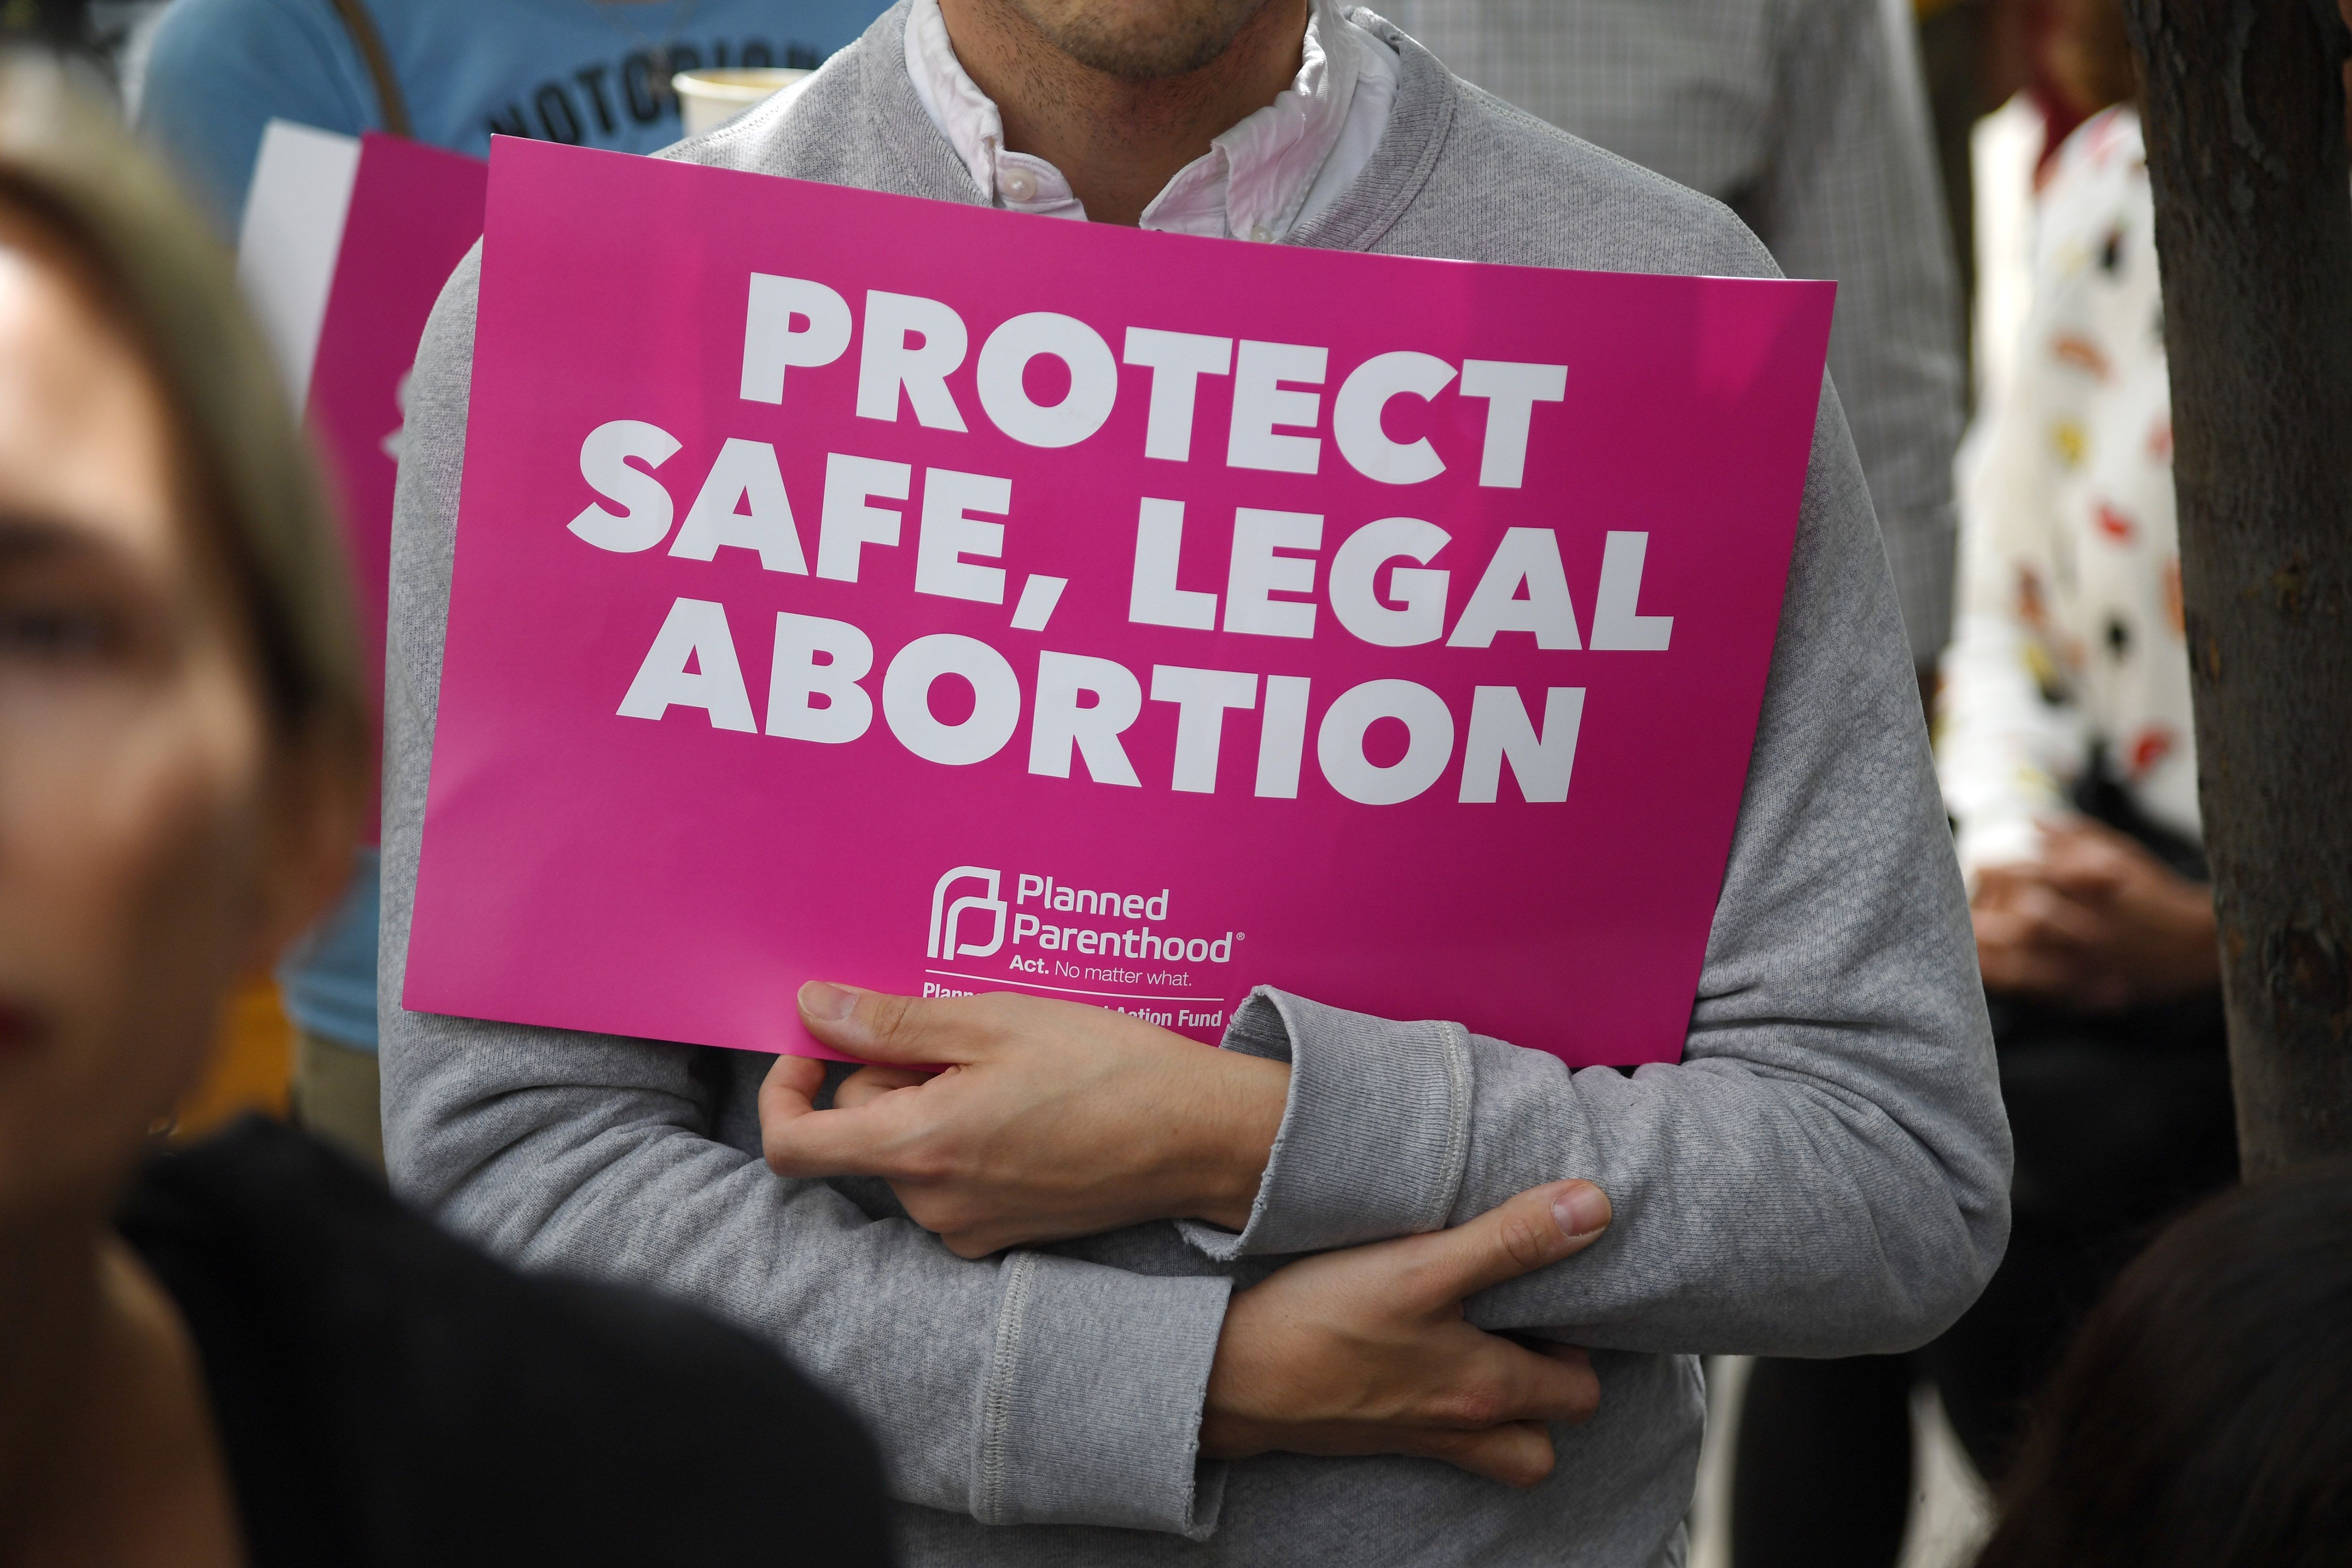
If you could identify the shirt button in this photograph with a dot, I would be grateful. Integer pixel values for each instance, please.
(1258, 233)
(1018, 184)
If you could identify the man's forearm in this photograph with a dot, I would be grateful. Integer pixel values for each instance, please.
(1826, 1171)
(1005, 1120)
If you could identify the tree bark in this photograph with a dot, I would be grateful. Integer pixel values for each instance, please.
(2243, 106)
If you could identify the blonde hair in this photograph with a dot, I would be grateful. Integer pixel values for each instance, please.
(155, 267)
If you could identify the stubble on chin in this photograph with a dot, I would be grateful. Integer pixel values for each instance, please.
(1140, 40)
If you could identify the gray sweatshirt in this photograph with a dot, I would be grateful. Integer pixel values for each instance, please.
(1824, 1173)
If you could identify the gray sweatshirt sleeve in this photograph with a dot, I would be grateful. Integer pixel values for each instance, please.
(1851, 193)
(1826, 1171)
(1025, 1389)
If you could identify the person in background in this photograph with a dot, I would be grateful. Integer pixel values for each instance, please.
(2066, 761)
(247, 1352)
(2203, 1417)
(452, 73)
(1809, 120)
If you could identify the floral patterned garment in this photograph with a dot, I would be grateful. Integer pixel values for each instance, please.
(2068, 640)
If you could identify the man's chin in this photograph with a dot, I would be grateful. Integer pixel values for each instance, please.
(1142, 40)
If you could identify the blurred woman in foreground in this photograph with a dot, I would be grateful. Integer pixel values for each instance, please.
(247, 1352)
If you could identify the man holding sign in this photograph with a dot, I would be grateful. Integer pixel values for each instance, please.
(905, 593)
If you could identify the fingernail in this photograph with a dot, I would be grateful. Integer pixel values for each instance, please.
(827, 1003)
(1581, 1210)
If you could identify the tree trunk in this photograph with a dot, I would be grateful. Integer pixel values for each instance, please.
(2243, 107)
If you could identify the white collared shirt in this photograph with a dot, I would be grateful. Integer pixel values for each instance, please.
(1259, 179)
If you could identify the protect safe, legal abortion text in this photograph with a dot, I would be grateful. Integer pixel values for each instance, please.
(1377, 583)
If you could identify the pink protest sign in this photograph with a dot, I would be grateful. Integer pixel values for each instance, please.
(944, 600)
(414, 212)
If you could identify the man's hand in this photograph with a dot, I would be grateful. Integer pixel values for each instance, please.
(1366, 1351)
(2098, 923)
(1049, 1120)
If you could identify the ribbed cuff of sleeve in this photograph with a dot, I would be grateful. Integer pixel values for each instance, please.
(1374, 1136)
(1922, 550)
(1090, 1411)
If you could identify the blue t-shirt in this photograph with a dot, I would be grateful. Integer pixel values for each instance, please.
(589, 71)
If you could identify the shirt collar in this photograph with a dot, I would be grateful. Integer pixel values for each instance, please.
(1252, 182)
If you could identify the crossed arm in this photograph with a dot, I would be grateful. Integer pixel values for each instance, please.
(1048, 1120)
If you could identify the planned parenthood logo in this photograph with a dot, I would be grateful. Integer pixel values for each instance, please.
(947, 925)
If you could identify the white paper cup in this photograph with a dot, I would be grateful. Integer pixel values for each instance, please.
(707, 98)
